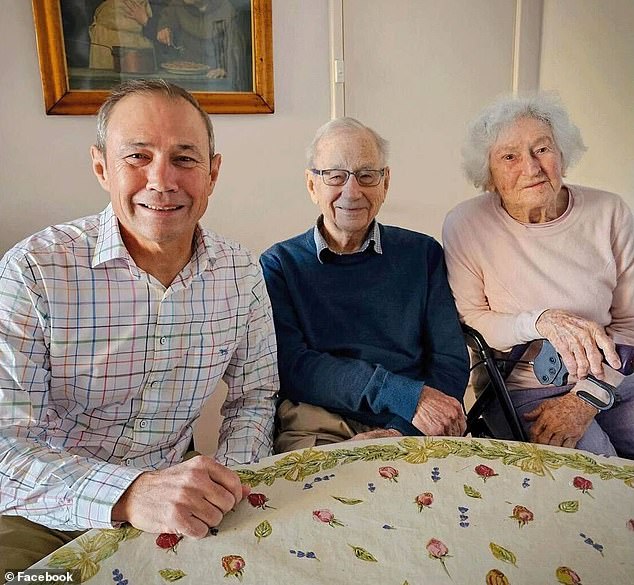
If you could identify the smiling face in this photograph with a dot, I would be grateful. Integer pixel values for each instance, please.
(158, 172)
(348, 210)
(525, 168)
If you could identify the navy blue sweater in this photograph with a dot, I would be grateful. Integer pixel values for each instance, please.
(362, 333)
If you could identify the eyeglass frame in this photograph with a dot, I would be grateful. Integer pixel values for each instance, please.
(321, 172)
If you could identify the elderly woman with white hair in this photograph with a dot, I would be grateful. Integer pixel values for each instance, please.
(534, 258)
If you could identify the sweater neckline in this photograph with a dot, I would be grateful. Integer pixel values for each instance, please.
(563, 222)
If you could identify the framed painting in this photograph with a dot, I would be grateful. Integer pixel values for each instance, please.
(219, 50)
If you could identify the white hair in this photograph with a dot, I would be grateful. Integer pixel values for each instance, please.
(485, 129)
(346, 123)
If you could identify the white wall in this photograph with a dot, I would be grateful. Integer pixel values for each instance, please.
(588, 56)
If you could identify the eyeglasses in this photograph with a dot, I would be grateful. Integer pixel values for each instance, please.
(339, 177)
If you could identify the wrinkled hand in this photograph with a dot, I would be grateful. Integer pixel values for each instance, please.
(376, 434)
(438, 414)
(135, 11)
(165, 36)
(578, 342)
(560, 421)
(186, 499)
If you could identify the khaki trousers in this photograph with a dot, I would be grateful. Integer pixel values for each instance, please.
(23, 543)
(302, 425)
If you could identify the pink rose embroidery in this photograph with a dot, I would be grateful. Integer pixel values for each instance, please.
(522, 515)
(233, 566)
(389, 473)
(438, 550)
(327, 517)
(424, 500)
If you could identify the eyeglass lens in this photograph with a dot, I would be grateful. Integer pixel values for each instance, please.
(339, 177)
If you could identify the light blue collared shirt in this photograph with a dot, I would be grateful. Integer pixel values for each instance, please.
(373, 237)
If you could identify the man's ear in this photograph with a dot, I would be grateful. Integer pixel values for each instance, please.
(214, 171)
(99, 167)
(386, 179)
(310, 184)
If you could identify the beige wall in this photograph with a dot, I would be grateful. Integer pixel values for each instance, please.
(588, 56)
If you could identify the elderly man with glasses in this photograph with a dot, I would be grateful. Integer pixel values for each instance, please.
(369, 343)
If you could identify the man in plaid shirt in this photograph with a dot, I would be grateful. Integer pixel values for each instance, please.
(114, 331)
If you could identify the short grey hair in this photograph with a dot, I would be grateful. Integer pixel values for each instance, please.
(346, 123)
(145, 87)
(485, 129)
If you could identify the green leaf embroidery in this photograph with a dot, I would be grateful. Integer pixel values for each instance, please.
(362, 554)
(502, 554)
(263, 529)
(87, 569)
(569, 506)
(172, 575)
(528, 457)
(347, 501)
(65, 558)
(471, 492)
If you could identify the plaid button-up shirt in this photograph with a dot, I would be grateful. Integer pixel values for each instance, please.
(103, 370)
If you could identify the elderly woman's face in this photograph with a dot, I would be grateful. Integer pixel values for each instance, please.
(525, 168)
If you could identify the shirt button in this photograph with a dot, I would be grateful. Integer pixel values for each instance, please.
(128, 462)
(142, 424)
(154, 384)
(163, 340)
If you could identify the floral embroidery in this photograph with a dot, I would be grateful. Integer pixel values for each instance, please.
(464, 519)
(583, 484)
(485, 472)
(438, 550)
(117, 577)
(168, 541)
(495, 577)
(595, 545)
(389, 473)
(522, 515)
(424, 500)
(233, 566)
(258, 501)
(327, 517)
(567, 576)
(302, 555)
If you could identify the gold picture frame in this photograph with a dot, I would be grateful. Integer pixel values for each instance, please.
(61, 98)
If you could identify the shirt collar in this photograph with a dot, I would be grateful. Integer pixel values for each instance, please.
(373, 237)
(110, 246)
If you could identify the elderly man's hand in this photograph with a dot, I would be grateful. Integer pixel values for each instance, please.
(578, 342)
(560, 421)
(188, 498)
(438, 414)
